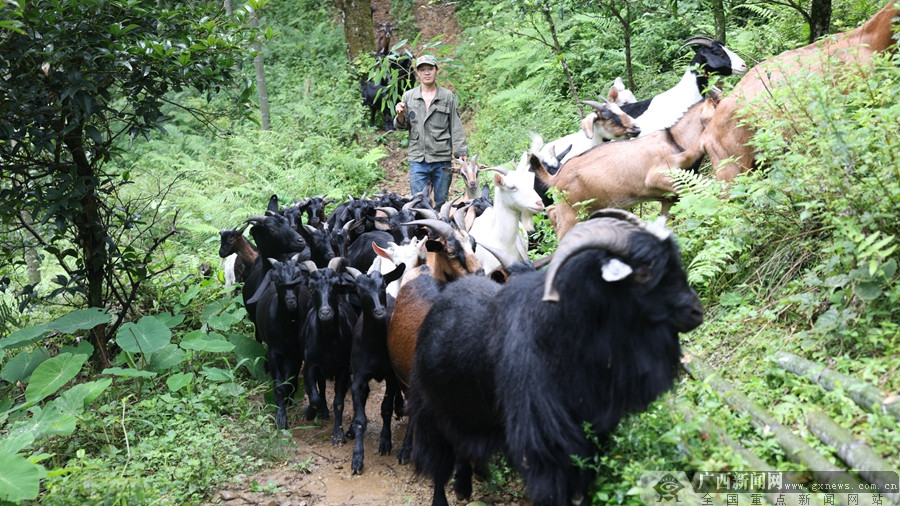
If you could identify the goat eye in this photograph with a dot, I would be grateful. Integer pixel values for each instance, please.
(513, 188)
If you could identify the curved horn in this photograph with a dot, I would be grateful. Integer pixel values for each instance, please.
(390, 211)
(564, 153)
(459, 217)
(499, 168)
(609, 234)
(240, 231)
(310, 265)
(619, 214)
(355, 272)
(697, 39)
(335, 263)
(505, 260)
(255, 220)
(415, 200)
(425, 213)
(594, 103)
(440, 227)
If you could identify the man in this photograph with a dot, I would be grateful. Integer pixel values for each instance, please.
(436, 135)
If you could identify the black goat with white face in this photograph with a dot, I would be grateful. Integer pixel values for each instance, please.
(518, 368)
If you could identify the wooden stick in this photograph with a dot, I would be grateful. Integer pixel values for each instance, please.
(864, 394)
(854, 452)
(794, 446)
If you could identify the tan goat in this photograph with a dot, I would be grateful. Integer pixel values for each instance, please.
(623, 173)
(725, 137)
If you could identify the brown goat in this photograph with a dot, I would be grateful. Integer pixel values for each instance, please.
(448, 257)
(623, 173)
(726, 137)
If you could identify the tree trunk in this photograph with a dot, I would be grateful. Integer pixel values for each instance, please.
(358, 28)
(92, 238)
(853, 452)
(31, 253)
(819, 19)
(865, 395)
(261, 88)
(718, 12)
(557, 48)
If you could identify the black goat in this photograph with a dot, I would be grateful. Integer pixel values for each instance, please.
(369, 360)
(327, 336)
(280, 306)
(498, 368)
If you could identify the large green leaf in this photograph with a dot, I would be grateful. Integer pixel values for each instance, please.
(16, 442)
(147, 335)
(20, 480)
(178, 381)
(20, 367)
(75, 399)
(82, 348)
(251, 354)
(49, 421)
(52, 374)
(24, 337)
(201, 341)
(166, 359)
(80, 319)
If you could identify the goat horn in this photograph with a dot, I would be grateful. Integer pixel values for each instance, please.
(310, 265)
(609, 234)
(594, 103)
(390, 211)
(564, 153)
(459, 218)
(499, 168)
(335, 263)
(415, 200)
(697, 39)
(240, 231)
(440, 227)
(505, 260)
(425, 213)
(619, 214)
(354, 272)
(255, 220)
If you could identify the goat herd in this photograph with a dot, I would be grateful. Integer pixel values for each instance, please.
(484, 350)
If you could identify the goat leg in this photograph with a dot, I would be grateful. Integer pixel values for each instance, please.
(341, 384)
(359, 393)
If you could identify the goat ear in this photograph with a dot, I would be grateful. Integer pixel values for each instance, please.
(615, 270)
(273, 204)
(433, 246)
(613, 94)
(395, 274)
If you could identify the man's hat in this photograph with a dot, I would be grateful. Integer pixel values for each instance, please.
(426, 59)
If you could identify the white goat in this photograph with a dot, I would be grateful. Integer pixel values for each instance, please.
(392, 256)
(619, 94)
(607, 122)
(515, 201)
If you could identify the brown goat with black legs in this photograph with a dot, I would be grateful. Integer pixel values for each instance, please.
(520, 368)
(725, 139)
(623, 173)
(448, 256)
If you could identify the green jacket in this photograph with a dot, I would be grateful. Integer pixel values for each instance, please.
(438, 135)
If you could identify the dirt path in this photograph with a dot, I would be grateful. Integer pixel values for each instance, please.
(318, 473)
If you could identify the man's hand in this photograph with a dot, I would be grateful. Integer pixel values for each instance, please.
(401, 110)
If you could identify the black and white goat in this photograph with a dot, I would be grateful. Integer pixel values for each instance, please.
(663, 110)
(520, 368)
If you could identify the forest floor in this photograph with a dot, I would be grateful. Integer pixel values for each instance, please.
(316, 472)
